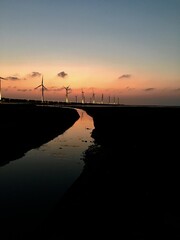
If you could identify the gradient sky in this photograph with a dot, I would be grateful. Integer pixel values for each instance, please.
(122, 48)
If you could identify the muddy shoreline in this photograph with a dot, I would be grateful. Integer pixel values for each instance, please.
(27, 126)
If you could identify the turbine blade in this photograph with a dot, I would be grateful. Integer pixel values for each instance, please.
(37, 86)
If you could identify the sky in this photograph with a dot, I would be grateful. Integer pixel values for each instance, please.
(124, 49)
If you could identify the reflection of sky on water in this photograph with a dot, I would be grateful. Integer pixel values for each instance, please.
(36, 181)
(74, 141)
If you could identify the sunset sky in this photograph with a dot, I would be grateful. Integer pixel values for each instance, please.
(127, 49)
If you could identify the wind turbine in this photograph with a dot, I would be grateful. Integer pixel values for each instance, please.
(114, 100)
(83, 97)
(68, 90)
(102, 98)
(42, 90)
(0, 89)
(1, 78)
(93, 97)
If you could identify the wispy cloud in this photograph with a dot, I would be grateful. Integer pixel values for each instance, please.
(55, 89)
(35, 74)
(12, 78)
(177, 89)
(149, 89)
(125, 76)
(62, 74)
(24, 90)
(129, 88)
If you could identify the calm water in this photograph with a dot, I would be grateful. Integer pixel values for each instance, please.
(33, 184)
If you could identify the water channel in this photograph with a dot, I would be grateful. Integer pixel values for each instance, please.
(32, 185)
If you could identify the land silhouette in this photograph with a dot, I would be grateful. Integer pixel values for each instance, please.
(129, 187)
(27, 126)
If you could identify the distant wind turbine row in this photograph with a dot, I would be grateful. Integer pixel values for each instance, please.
(68, 91)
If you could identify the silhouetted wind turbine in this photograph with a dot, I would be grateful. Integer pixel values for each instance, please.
(1, 78)
(68, 90)
(0, 89)
(42, 90)
(102, 98)
(93, 97)
(114, 100)
(83, 97)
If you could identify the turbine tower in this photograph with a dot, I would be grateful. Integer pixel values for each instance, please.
(102, 98)
(42, 90)
(114, 100)
(68, 90)
(83, 97)
(93, 97)
(1, 78)
(0, 89)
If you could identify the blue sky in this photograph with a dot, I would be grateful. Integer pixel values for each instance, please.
(136, 37)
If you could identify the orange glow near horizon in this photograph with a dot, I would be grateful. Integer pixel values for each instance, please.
(90, 78)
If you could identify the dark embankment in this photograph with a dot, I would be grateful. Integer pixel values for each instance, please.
(129, 188)
(25, 126)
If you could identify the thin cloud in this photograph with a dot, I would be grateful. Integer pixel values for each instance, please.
(125, 76)
(177, 89)
(35, 74)
(55, 89)
(129, 88)
(62, 74)
(11, 78)
(24, 90)
(149, 89)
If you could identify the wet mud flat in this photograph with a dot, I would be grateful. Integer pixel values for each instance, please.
(27, 126)
(129, 187)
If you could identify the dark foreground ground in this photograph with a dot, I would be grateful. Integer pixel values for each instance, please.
(23, 127)
(130, 185)
(27, 126)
